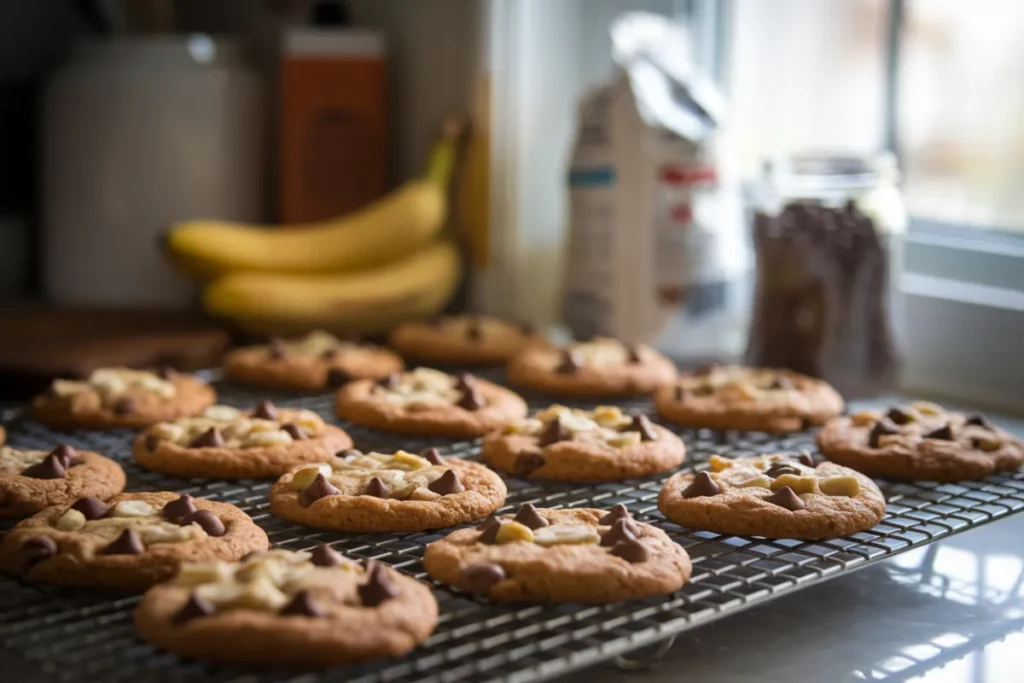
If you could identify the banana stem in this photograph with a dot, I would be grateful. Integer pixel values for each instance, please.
(442, 156)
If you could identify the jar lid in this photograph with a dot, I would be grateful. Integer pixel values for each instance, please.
(833, 171)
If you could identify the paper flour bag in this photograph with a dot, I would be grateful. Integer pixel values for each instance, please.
(657, 247)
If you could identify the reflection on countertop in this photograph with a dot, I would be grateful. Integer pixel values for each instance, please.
(950, 612)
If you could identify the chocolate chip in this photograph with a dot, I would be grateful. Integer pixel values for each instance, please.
(208, 521)
(570, 362)
(632, 551)
(528, 516)
(554, 432)
(488, 523)
(899, 416)
(702, 486)
(329, 354)
(804, 458)
(633, 353)
(786, 498)
(780, 468)
(378, 588)
(211, 438)
(621, 530)
(490, 534)
(433, 456)
(377, 488)
(527, 463)
(69, 457)
(474, 331)
(177, 510)
(265, 411)
(447, 484)
(35, 549)
(471, 400)
(389, 382)
(642, 424)
(480, 577)
(528, 329)
(304, 605)
(680, 393)
(124, 407)
(319, 488)
(194, 608)
(336, 378)
(277, 348)
(50, 467)
(166, 372)
(943, 433)
(618, 512)
(295, 431)
(882, 428)
(152, 441)
(91, 508)
(325, 556)
(128, 543)
(978, 420)
(781, 382)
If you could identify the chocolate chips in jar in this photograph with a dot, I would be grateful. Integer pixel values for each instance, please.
(823, 302)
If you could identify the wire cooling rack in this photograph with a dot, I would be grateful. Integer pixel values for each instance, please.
(68, 634)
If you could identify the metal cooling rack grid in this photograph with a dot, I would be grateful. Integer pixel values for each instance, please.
(75, 635)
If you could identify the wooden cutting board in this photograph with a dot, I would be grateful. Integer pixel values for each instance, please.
(40, 344)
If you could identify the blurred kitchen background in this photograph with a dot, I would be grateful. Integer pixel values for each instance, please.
(613, 173)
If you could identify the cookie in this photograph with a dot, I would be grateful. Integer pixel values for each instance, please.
(117, 397)
(316, 362)
(130, 542)
(308, 609)
(577, 555)
(601, 368)
(580, 445)
(32, 480)
(920, 441)
(464, 340)
(225, 442)
(429, 402)
(378, 492)
(777, 496)
(750, 399)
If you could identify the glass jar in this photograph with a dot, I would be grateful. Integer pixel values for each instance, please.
(828, 239)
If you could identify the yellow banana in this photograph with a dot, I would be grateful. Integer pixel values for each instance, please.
(388, 229)
(370, 300)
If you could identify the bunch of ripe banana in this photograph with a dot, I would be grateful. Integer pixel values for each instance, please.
(365, 272)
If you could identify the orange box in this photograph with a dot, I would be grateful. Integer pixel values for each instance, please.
(332, 122)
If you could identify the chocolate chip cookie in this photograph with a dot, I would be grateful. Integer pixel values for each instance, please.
(464, 340)
(129, 542)
(279, 607)
(118, 397)
(225, 442)
(600, 368)
(378, 492)
(752, 399)
(920, 441)
(33, 480)
(315, 362)
(777, 496)
(578, 555)
(580, 445)
(429, 402)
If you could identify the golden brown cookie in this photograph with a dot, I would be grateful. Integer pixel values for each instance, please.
(226, 443)
(579, 445)
(32, 480)
(117, 397)
(578, 555)
(377, 492)
(130, 542)
(464, 340)
(777, 496)
(920, 441)
(308, 609)
(429, 402)
(754, 399)
(315, 362)
(600, 368)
